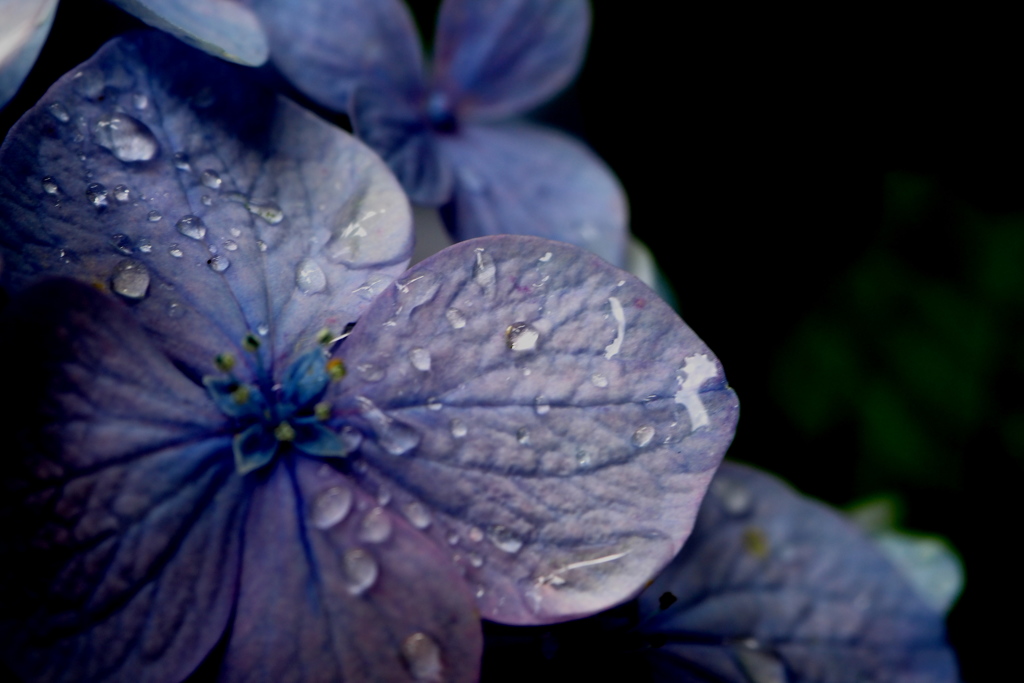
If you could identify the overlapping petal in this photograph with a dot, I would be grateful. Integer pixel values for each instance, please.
(541, 414)
(524, 179)
(500, 58)
(214, 208)
(26, 25)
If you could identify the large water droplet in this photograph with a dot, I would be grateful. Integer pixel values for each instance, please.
(521, 337)
(484, 270)
(122, 193)
(459, 429)
(218, 263)
(361, 570)
(127, 138)
(210, 178)
(130, 279)
(376, 526)
(154, 216)
(59, 112)
(455, 318)
(121, 243)
(417, 515)
(330, 507)
(192, 226)
(97, 195)
(50, 185)
(309, 277)
(505, 540)
(394, 436)
(643, 435)
(422, 657)
(269, 212)
(420, 359)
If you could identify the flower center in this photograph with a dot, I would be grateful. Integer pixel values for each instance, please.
(289, 415)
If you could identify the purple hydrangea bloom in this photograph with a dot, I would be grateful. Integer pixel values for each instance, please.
(208, 465)
(446, 132)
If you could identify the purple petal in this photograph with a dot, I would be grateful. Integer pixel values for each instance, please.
(540, 414)
(327, 49)
(121, 508)
(224, 28)
(499, 58)
(527, 180)
(773, 581)
(336, 588)
(25, 28)
(213, 208)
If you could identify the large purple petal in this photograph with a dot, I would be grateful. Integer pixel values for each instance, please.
(499, 58)
(528, 180)
(327, 49)
(121, 508)
(214, 208)
(25, 27)
(225, 28)
(775, 582)
(336, 588)
(540, 414)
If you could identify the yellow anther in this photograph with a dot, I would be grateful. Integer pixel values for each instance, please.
(240, 395)
(284, 432)
(225, 362)
(335, 368)
(322, 410)
(250, 342)
(324, 336)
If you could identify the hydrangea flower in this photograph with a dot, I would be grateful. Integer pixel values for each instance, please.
(447, 133)
(225, 28)
(208, 465)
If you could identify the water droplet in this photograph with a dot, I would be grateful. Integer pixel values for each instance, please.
(599, 380)
(521, 337)
(122, 193)
(174, 251)
(420, 359)
(373, 286)
(540, 405)
(475, 560)
(376, 526)
(126, 138)
(262, 329)
(97, 195)
(231, 245)
(154, 216)
(210, 178)
(175, 310)
(206, 200)
(455, 318)
(269, 212)
(235, 232)
(383, 497)
(583, 458)
(479, 592)
(121, 243)
(361, 570)
(370, 372)
(88, 84)
(523, 436)
(475, 535)
(309, 277)
(145, 245)
(130, 279)
(218, 263)
(545, 258)
(50, 185)
(350, 438)
(735, 497)
(453, 539)
(181, 162)
(434, 404)
(643, 435)
(484, 270)
(192, 226)
(140, 101)
(59, 112)
(330, 507)
(459, 429)
(417, 515)
(394, 436)
(422, 657)
(505, 540)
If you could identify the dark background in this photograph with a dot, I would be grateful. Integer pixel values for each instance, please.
(837, 201)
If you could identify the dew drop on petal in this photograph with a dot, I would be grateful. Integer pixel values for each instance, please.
(261, 245)
(130, 279)
(475, 535)
(422, 657)
(583, 458)
(541, 406)
(192, 226)
(231, 245)
(383, 497)
(175, 310)
(394, 436)
(96, 194)
(140, 101)
(361, 570)
(145, 245)
(599, 380)
(484, 271)
(376, 526)
(309, 277)
(210, 179)
(546, 257)
(331, 507)
(420, 359)
(434, 404)
(122, 193)
(88, 84)
(521, 337)
(50, 185)
(181, 162)
(453, 539)
(262, 329)
(475, 560)
(459, 429)
(218, 263)
(207, 200)
(121, 243)
(505, 540)
(643, 435)
(175, 251)
(523, 436)
(154, 216)
(59, 112)
(271, 213)
(455, 318)
(126, 138)
(417, 515)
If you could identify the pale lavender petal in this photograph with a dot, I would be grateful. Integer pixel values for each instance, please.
(26, 24)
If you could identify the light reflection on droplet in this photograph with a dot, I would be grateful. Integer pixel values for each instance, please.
(643, 435)
(459, 428)
(154, 216)
(422, 657)
(309, 277)
(331, 507)
(218, 263)
(191, 226)
(420, 359)
(376, 526)
(361, 570)
(417, 515)
(130, 279)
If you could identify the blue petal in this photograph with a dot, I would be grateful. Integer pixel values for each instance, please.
(327, 49)
(224, 28)
(335, 588)
(121, 548)
(26, 25)
(527, 180)
(213, 208)
(558, 420)
(499, 58)
(771, 579)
